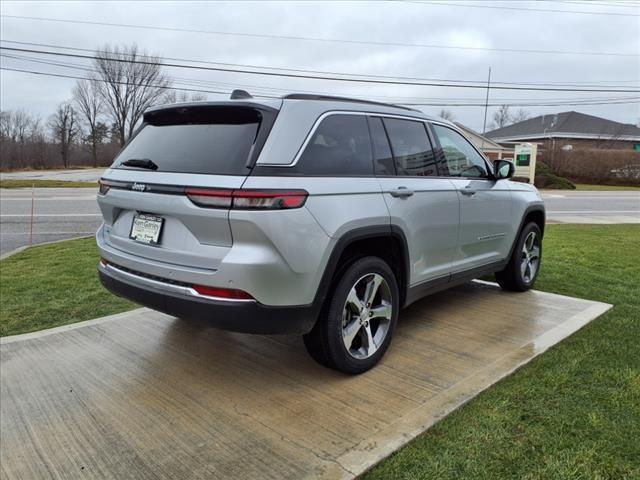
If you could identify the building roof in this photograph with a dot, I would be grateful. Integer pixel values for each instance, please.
(479, 140)
(566, 125)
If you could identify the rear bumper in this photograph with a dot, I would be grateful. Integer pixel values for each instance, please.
(237, 316)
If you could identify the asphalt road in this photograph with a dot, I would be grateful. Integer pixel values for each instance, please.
(592, 207)
(70, 175)
(59, 213)
(70, 212)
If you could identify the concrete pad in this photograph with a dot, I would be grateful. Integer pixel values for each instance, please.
(143, 395)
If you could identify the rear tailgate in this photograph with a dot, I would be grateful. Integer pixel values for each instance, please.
(196, 146)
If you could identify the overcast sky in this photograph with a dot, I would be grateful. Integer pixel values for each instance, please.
(458, 23)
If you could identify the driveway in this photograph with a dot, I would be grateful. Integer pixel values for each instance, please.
(146, 396)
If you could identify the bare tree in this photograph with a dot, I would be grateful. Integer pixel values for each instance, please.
(175, 96)
(502, 117)
(520, 116)
(64, 129)
(446, 114)
(90, 104)
(130, 82)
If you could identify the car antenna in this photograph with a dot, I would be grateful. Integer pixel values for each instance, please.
(237, 94)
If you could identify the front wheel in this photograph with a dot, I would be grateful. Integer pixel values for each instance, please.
(523, 267)
(359, 319)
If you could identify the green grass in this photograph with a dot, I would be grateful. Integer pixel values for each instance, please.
(572, 413)
(582, 186)
(52, 285)
(23, 183)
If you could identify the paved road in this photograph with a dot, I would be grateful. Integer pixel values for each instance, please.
(593, 207)
(68, 212)
(76, 175)
(58, 213)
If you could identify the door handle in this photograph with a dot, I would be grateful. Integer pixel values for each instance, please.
(467, 191)
(401, 192)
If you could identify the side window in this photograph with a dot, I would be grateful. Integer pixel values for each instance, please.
(462, 159)
(382, 156)
(341, 145)
(411, 148)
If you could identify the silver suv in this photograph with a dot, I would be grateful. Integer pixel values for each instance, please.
(314, 215)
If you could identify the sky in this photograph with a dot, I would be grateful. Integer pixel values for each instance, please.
(375, 38)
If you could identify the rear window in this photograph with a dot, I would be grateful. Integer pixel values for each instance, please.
(199, 140)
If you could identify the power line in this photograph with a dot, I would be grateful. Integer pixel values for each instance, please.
(319, 77)
(504, 7)
(262, 67)
(318, 39)
(191, 82)
(610, 4)
(626, 100)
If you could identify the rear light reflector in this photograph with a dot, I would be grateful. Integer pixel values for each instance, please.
(229, 293)
(103, 262)
(247, 199)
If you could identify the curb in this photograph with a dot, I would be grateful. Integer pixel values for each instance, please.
(24, 247)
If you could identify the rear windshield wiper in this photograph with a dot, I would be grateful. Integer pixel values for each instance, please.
(140, 163)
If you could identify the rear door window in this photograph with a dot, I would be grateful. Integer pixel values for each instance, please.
(412, 151)
(209, 141)
(341, 145)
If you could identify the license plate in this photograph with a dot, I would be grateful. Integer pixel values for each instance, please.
(146, 228)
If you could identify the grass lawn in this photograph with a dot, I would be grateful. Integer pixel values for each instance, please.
(51, 285)
(582, 186)
(573, 412)
(20, 183)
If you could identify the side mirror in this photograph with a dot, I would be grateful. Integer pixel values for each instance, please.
(503, 169)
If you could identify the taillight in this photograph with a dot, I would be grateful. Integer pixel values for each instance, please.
(229, 293)
(269, 199)
(247, 199)
(103, 186)
(209, 197)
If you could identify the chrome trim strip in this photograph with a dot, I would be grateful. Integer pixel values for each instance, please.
(167, 287)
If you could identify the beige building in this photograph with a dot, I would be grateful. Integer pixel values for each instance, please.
(491, 149)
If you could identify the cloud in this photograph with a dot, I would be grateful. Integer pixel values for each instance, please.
(392, 22)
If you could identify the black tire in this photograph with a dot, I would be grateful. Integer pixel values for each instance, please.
(325, 342)
(512, 277)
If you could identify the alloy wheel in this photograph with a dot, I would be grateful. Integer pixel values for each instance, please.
(530, 260)
(366, 316)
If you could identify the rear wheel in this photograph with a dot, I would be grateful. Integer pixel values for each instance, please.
(359, 318)
(523, 267)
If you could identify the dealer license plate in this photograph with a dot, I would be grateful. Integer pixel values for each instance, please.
(146, 228)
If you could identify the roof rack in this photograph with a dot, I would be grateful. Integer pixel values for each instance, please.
(304, 96)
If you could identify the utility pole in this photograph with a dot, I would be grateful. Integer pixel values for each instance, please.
(486, 104)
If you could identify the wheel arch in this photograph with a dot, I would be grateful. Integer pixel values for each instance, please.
(385, 241)
(533, 213)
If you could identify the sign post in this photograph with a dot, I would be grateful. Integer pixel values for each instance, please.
(525, 160)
